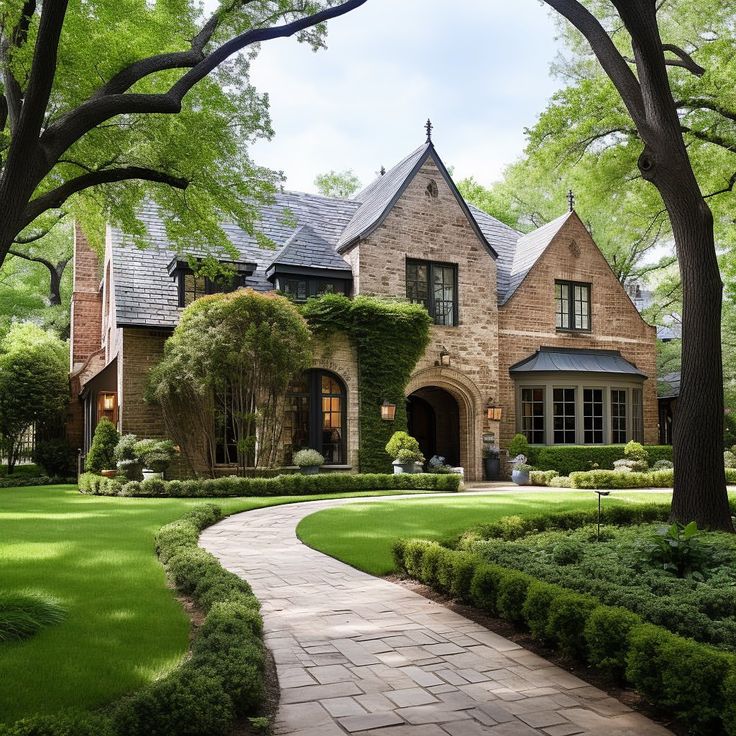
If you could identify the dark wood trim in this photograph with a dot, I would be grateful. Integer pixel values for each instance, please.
(430, 292)
(571, 305)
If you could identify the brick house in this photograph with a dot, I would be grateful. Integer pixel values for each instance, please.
(535, 325)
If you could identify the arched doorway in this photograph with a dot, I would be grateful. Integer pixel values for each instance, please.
(434, 420)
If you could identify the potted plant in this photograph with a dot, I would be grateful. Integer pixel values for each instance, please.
(309, 461)
(128, 462)
(155, 456)
(404, 449)
(520, 472)
(491, 462)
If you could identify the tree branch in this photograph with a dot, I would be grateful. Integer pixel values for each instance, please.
(15, 40)
(684, 60)
(701, 103)
(72, 126)
(611, 60)
(728, 188)
(56, 197)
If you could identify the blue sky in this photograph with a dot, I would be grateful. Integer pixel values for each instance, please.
(478, 68)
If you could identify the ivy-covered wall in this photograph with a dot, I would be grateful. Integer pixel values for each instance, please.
(389, 337)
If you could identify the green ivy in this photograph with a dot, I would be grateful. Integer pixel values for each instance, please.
(389, 338)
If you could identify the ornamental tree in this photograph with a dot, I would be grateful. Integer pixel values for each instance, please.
(34, 388)
(640, 77)
(104, 103)
(226, 371)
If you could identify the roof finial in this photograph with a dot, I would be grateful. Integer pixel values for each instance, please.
(571, 200)
(383, 170)
(428, 127)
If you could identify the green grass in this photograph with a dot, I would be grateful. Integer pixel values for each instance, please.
(24, 614)
(95, 557)
(361, 534)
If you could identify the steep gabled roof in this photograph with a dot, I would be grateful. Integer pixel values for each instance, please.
(307, 249)
(379, 197)
(529, 249)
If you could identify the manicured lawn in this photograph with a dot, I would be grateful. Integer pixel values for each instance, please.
(124, 627)
(362, 534)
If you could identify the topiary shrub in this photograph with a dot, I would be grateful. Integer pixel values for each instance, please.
(308, 459)
(607, 637)
(519, 445)
(126, 458)
(512, 592)
(155, 455)
(484, 587)
(403, 447)
(636, 451)
(568, 615)
(101, 455)
(536, 607)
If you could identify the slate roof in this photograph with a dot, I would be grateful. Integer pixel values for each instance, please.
(553, 360)
(308, 231)
(669, 386)
(529, 249)
(308, 249)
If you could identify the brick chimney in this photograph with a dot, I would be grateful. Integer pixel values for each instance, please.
(86, 311)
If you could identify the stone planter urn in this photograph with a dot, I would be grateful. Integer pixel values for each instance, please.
(309, 469)
(152, 475)
(520, 477)
(410, 467)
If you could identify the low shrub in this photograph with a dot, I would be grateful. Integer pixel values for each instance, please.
(61, 724)
(607, 636)
(560, 481)
(663, 465)
(568, 616)
(592, 479)
(101, 455)
(512, 591)
(282, 485)
(537, 606)
(56, 456)
(484, 587)
(26, 481)
(679, 674)
(542, 477)
(571, 458)
(729, 697)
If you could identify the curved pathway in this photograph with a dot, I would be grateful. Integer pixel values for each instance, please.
(357, 654)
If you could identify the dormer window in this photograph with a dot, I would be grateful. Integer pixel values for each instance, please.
(192, 286)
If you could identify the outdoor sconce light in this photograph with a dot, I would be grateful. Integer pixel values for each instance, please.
(494, 413)
(388, 411)
(444, 357)
(108, 402)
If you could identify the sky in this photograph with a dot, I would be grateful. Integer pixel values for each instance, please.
(478, 68)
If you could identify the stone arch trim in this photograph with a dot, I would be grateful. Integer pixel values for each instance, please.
(470, 404)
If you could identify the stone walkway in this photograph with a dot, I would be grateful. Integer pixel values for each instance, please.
(357, 654)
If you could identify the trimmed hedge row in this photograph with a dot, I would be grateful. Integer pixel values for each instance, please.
(283, 485)
(592, 479)
(41, 480)
(566, 459)
(694, 681)
(222, 679)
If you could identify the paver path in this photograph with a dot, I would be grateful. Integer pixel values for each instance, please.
(357, 654)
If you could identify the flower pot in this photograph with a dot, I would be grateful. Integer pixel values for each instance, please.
(491, 467)
(108, 473)
(412, 467)
(520, 477)
(152, 475)
(309, 470)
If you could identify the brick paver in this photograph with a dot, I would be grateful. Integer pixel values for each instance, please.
(359, 655)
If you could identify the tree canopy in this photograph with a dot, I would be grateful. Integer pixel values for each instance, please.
(341, 184)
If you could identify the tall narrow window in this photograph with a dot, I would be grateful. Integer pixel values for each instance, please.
(532, 415)
(435, 286)
(572, 305)
(618, 416)
(192, 288)
(563, 412)
(637, 415)
(593, 416)
(316, 417)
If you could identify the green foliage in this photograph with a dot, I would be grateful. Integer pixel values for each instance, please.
(512, 591)
(542, 477)
(678, 549)
(729, 697)
(663, 465)
(618, 479)
(636, 451)
(402, 446)
(293, 485)
(342, 184)
(155, 455)
(389, 338)
(24, 614)
(568, 616)
(34, 386)
(101, 455)
(566, 459)
(308, 459)
(63, 724)
(484, 587)
(536, 608)
(56, 456)
(519, 445)
(127, 460)
(729, 459)
(607, 636)
(231, 355)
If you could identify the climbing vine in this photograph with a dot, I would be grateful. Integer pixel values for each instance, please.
(389, 338)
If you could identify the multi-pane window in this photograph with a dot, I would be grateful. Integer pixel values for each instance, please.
(433, 285)
(593, 416)
(316, 417)
(192, 286)
(563, 416)
(637, 415)
(572, 305)
(301, 288)
(532, 415)
(618, 416)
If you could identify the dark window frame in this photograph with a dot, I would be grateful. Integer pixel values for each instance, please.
(210, 286)
(593, 435)
(312, 284)
(314, 412)
(531, 432)
(430, 304)
(619, 417)
(564, 431)
(571, 305)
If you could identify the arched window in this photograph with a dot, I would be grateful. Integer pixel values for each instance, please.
(316, 417)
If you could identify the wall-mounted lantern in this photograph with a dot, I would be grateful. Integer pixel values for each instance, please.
(445, 360)
(388, 411)
(494, 413)
(108, 402)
